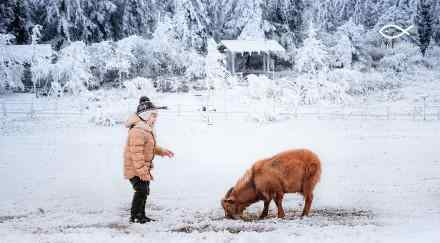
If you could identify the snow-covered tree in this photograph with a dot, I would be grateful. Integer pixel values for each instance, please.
(253, 30)
(399, 13)
(189, 26)
(139, 17)
(424, 21)
(343, 51)
(36, 34)
(327, 15)
(312, 57)
(18, 27)
(366, 13)
(284, 21)
(6, 15)
(71, 71)
(436, 33)
(215, 68)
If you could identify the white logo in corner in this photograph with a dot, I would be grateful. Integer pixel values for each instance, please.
(393, 26)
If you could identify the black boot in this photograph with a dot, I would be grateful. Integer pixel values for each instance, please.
(144, 216)
(139, 199)
(137, 215)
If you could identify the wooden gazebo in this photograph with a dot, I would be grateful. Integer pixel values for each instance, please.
(261, 48)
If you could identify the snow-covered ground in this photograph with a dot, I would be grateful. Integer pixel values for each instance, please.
(62, 180)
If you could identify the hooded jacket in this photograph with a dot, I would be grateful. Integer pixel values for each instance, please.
(140, 149)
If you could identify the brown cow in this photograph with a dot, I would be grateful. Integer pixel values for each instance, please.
(291, 171)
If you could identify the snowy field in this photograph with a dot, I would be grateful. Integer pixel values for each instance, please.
(62, 181)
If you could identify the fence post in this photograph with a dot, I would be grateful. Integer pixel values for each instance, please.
(226, 112)
(319, 112)
(366, 112)
(56, 106)
(414, 113)
(424, 108)
(81, 109)
(388, 113)
(4, 109)
(178, 110)
(343, 112)
(32, 110)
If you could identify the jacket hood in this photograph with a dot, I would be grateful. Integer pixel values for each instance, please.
(135, 121)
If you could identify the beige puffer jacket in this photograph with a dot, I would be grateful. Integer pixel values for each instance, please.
(140, 149)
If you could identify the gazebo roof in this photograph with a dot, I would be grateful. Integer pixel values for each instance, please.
(242, 46)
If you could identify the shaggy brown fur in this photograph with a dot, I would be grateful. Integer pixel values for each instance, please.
(291, 171)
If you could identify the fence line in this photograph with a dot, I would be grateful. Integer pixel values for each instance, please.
(363, 112)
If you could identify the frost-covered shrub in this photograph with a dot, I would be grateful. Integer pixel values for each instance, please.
(139, 86)
(72, 70)
(363, 83)
(195, 68)
(342, 52)
(166, 55)
(376, 53)
(322, 87)
(44, 72)
(6, 39)
(402, 58)
(16, 61)
(433, 56)
(397, 62)
(114, 57)
(359, 44)
(11, 75)
(260, 87)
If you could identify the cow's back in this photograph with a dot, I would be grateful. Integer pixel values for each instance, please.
(286, 171)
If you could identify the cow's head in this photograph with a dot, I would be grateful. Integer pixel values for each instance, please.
(231, 206)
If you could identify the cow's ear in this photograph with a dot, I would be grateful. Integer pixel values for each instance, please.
(229, 192)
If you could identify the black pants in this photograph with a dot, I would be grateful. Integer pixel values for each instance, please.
(141, 191)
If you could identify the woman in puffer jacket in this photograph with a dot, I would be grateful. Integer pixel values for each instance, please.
(139, 153)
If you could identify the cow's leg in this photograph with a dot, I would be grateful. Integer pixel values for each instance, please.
(308, 203)
(265, 209)
(279, 203)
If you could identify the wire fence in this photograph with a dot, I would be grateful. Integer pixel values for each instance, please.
(424, 112)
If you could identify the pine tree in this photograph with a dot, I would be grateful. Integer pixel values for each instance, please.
(139, 17)
(6, 15)
(189, 26)
(286, 16)
(312, 57)
(18, 25)
(366, 13)
(436, 31)
(424, 21)
(436, 34)
(327, 16)
(370, 15)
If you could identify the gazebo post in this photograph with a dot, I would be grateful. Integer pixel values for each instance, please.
(264, 61)
(267, 63)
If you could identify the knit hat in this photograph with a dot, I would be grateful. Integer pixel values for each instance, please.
(144, 105)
